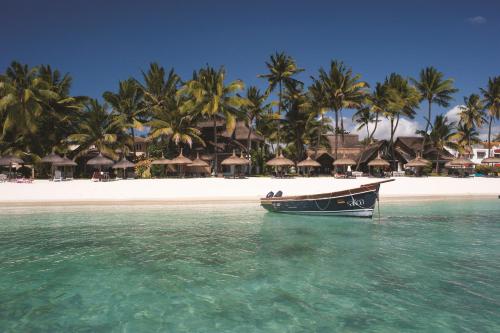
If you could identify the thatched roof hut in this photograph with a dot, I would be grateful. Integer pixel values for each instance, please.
(234, 160)
(181, 160)
(52, 158)
(308, 163)
(459, 162)
(65, 162)
(491, 160)
(344, 161)
(378, 162)
(161, 161)
(418, 162)
(100, 160)
(280, 161)
(198, 162)
(10, 159)
(123, 164)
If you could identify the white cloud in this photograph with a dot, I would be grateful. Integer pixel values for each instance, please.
(406, 127)
(454, 114)
(477, 20)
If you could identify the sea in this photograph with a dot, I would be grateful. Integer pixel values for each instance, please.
(422, 266)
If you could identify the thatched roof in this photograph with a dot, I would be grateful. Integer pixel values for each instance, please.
(344, 161)
(66, 162)
(308, 162)
(241, 132)
(181, 160)
(378, 162)
(279, 161)
(161, 161)
(52, 158)
(491, 160)
(123, 164)
(459, 162)
(198, 162)
(234, 160)
(418, 162)
(100, 160)
(10, 159)
(371, 150)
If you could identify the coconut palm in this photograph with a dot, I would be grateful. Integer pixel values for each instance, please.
(212, 98)
(403, 100)
(316, 106)
(21, 99)
(173, 125)
(363, 118)
(491, 99)
(466, 136)
(128, 108)
(442, 135)
(282, 69)
(97, 129)
(434, 89)
(343, 89)
(378, 101)
(472, 114)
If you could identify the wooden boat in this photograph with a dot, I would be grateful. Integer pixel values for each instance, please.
(359, 202)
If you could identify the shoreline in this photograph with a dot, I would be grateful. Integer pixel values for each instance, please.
(219, 191)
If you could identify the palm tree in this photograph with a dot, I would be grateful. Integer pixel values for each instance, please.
(97, 129)
(403, 100)
(316, 106)
(281, 68)
(363, 118)
(159, 88)
(378, 101)
(472, 114)
(128, 110)
(466, 136)
(171, 123)
(434, 89)
(442, 135)
(212, 98)
(491, 99)
(342, 89)
(21, 99)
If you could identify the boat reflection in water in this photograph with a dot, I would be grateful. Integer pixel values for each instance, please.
(359, 202)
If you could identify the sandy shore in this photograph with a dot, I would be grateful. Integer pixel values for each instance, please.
(213, 190)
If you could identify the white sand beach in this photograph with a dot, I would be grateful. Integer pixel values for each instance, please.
(223, 190)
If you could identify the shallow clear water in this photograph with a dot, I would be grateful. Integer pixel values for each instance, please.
(424, 267)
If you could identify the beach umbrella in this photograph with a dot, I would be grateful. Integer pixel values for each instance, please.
(163, 161)
(123, 164)
(379, 162)
(235, 161)
(459, 162)
(10, 160)
(65, 162)
(181, 161)
(51, 158)
(491, 160)
(100, 161)
(418, 163)
(308, 163)
(198, 165)
(279, 162)
(344, 161)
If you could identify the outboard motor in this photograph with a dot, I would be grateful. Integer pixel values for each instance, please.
(278, 194)
(270, 195)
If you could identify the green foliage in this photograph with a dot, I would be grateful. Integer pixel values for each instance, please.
(143, 169)
(484, 169)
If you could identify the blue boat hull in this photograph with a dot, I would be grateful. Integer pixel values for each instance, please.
(361, 203)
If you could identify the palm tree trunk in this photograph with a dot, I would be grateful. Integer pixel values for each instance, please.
(249, 145)
(489, 135)
(437, 161)
(215, 148)
(392, 143)
(427, 125)
(320, 129)
(279, 117)
(133, 143)
(336, 132)
(374, 128)
(342, 127)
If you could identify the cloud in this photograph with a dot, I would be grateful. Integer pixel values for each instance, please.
(454, 114)
(476, 20)
(405, 128)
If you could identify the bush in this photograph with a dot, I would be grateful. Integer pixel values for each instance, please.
(143, 169)
(484, 169)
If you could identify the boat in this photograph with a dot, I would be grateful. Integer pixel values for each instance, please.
(358, 202)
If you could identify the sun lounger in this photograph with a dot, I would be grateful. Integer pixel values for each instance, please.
(57, 176)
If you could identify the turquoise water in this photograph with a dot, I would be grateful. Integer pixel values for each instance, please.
(424, 267)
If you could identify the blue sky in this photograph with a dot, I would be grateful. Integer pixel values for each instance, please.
(101, 42)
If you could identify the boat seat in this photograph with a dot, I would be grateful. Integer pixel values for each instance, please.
(270, 195)
(278, 194)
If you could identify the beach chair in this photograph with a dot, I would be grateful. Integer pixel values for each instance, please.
(68, 175)
(57, 176)
(3, 178)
